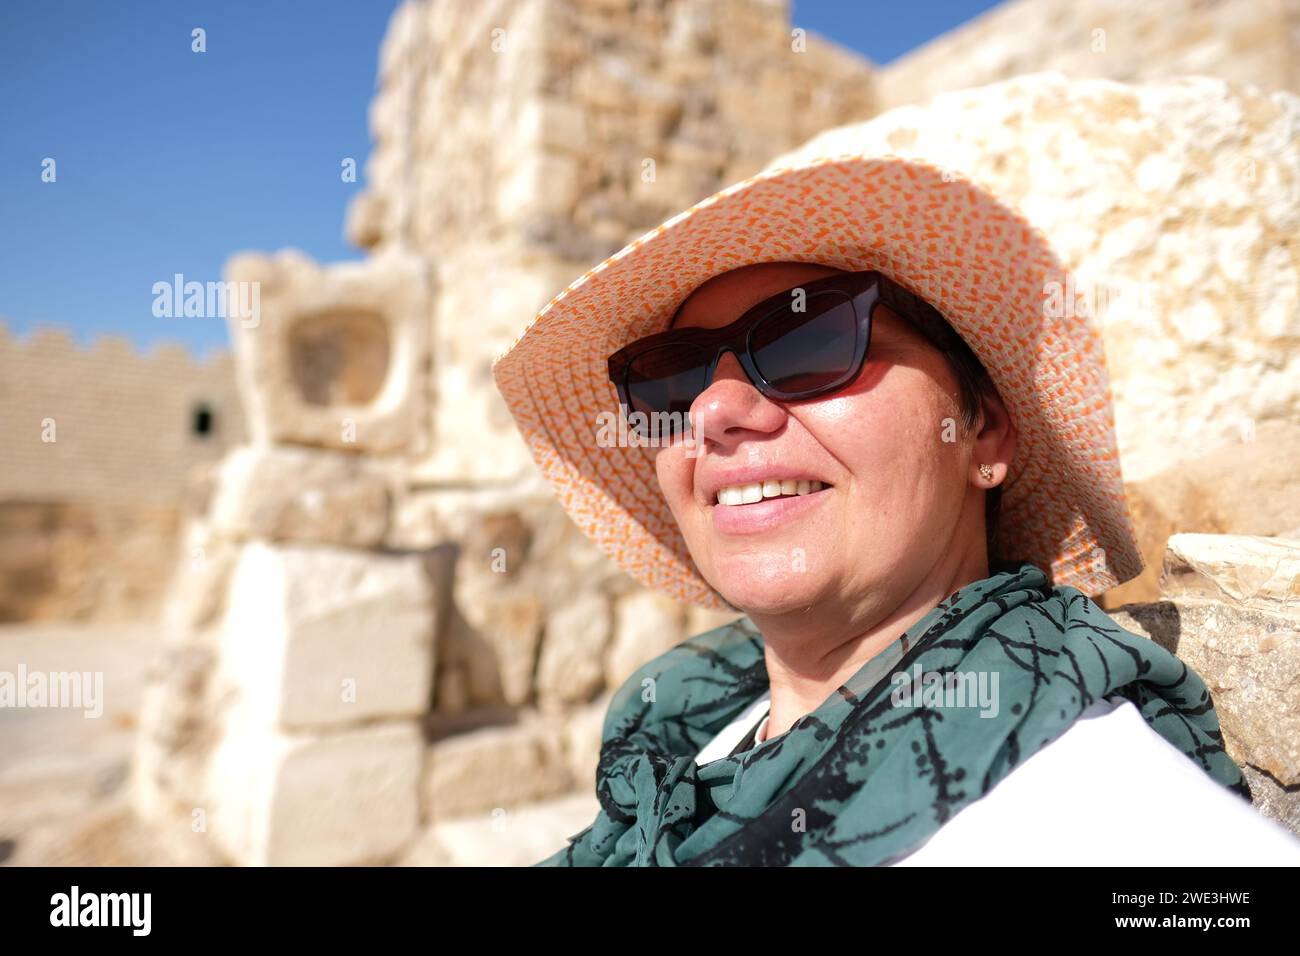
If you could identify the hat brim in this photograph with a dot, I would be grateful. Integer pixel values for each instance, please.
(979, 262)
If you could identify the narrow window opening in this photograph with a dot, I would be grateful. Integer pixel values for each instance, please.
(203, 422)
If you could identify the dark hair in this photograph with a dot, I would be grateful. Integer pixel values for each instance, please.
(975, 383)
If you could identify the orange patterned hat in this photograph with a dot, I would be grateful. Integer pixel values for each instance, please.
(980, 262)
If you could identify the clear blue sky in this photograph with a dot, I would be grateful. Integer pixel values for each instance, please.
(170, 161)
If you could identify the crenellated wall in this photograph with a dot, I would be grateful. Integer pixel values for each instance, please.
(107, 423)
(100, 445)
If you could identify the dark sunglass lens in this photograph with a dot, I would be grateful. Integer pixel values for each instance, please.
(802, 351)
(666, 379)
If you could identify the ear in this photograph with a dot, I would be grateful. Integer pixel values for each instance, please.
(995, 442)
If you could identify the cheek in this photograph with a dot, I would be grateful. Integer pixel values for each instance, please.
(890, 435)
(676, 477)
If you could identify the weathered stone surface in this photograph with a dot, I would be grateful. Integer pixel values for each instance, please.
(320, 636)
(197, 594)
(299, 494)
(571, 667)
(473, 437)
(646, 625)
(491, 640)
(1220, 619)
(1275, 801)
(583, 739)
(505, 837)
(1250, 572)
(67, 560)
(336, 355)
(517, 557)
(496, 768)
(326, 800)
(1245, 486)
(1239, 40)
(1250, 661)
(365, 218)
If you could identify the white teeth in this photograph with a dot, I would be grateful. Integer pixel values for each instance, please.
(758, 490)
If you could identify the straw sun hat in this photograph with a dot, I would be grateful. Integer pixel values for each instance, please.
(975, 258)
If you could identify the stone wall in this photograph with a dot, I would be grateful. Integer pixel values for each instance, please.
(99, 447)
(123, 424)
(1242, 41)
(1230, 608)
(547, 136)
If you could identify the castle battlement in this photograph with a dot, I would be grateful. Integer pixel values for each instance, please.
(106, 421)
(49, 342)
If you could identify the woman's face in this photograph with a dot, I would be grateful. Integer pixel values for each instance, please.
(900, 490)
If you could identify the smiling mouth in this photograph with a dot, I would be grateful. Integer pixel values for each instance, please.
(755, 491)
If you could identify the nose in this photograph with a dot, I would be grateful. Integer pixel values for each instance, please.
(731, 408)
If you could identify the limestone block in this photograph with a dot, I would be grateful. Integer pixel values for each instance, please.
(280, 799)
(550, 123)
(492, 640)
(335, 355)
(496, 768)
(1250, 572)
(571, 667)
(297, 494)
(196, 594)
(1232, 613)
(1246, 486)
(582, 740)
(510, 838)
(1236, 39)
(319, 636)
(84, 560)
(646, 625)
(539, 183)
(177, 731)
(366, 216)
(692, 33)
(485, 289)
(175, 709)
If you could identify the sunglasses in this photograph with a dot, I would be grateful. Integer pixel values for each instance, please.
(801, 343)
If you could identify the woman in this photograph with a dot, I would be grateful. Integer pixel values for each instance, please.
(896, 457)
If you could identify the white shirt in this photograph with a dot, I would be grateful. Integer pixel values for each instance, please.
(1150, 803)
(729, 736)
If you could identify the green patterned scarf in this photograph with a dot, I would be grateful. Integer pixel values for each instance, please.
(894, 753)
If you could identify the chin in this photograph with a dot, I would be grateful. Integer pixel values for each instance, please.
(766, 590)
